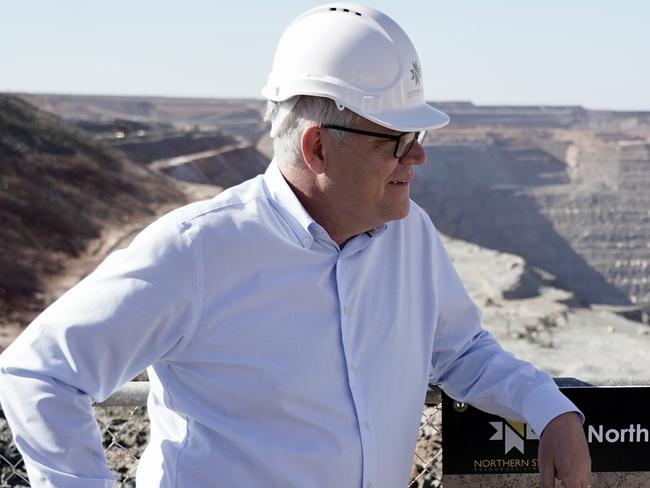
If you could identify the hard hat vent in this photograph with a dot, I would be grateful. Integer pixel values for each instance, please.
(347, 10)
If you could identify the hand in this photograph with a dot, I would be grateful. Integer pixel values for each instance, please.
(564, 454)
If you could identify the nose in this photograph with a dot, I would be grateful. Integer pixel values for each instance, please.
(416, 155)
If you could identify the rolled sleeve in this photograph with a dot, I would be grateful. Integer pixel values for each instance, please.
(545, 403)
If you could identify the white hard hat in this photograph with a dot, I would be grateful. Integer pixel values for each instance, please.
(358, 57)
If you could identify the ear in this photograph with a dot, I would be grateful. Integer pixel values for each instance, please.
(313, 151)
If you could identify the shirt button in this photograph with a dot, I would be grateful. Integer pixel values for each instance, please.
(366, 426)
(369, 484)
(346, 310)
(354, 369)
(306, 241)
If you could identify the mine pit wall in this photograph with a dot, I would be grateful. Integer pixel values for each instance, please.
(589, 225)
(164, 147)
(226, 169)
(613, 120)
(466, 114)
(469, 115)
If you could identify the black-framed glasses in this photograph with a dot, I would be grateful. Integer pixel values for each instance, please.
(403, 142)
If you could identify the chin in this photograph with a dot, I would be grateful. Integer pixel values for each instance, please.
(404, 213)
(399, 213)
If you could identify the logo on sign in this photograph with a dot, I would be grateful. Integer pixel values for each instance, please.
(512, 434)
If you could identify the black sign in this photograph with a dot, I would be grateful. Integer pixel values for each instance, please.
(617, 427)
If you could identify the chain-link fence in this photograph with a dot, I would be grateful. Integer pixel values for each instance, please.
(124, 425)
(427, 461)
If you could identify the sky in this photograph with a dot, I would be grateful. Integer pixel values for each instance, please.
(594, 53)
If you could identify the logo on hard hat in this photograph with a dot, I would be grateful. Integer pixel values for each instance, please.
(416, 74)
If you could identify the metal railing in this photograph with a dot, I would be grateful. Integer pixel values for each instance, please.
(124, 425)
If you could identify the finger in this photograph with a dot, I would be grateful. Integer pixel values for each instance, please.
(573, 483)
(546, 476)
(576, 479)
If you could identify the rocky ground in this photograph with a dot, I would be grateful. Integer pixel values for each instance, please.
(546, 325)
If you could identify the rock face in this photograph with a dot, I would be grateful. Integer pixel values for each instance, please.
(572, 202)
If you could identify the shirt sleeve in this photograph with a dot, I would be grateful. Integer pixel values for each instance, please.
(139, 306)
(471, 366)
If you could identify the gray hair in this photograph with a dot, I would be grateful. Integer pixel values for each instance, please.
(309, 111)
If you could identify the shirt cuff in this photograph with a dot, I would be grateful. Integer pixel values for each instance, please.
(545, 403)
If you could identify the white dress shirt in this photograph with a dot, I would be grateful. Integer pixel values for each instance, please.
(276, 358)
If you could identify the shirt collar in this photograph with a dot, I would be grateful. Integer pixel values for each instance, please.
(289, 207)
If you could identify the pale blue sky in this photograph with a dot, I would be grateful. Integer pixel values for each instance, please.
(594, 53)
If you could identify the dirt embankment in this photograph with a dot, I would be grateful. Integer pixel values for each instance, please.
(68, 198)
(60, 190)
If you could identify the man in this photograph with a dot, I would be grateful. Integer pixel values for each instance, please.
(292, 323)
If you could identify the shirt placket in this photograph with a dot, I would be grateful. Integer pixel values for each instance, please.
(349, 321)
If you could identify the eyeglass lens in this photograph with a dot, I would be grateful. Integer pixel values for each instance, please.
(406, 142)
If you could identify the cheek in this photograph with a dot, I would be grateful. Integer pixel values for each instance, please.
(367, 177)
(375, 186)
(363, 181)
